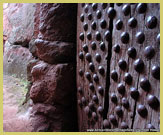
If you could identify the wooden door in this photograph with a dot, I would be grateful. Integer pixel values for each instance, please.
(118, 66)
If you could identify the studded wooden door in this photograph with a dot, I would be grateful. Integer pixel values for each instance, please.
(118, 67)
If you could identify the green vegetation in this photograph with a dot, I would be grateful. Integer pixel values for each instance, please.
(19, 89)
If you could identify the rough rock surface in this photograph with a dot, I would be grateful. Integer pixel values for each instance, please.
(15, 60)
(52, 84)
(57, 22)
(52, 118)
(18, 22)
(46, 32)
(55, 51)
(20, 27)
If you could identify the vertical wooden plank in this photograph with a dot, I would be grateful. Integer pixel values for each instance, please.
(153, 61)
(150, 40)
(96, 57)
(132, 51)
(139, 13)
(82, 119)
(119, 59)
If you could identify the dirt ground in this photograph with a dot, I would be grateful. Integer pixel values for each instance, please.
(15, 116)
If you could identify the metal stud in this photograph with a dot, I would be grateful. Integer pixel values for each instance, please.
(85, 26)
(153, 101)
(101, 70)
(145, 84)
(106, 124)
(125, 37)
(150, 126)
(98, 36)
(151, 22)
(98, 14)
(88, 57)
(126, 9)
(103, 24)
(80, 90)
(88, 111)
(81, 55)
(121, 88)
(94, 6)
(102, 46)
(93, 25)
(83, 4)
(91, 66)
(114, 98)
(142, 110)
(158, 38)
(107, 35)
(81, 72)
(100, 110)
(91, 106)
(125, 103)
(156, 72)
(80, 103)
(93, 45)
(86, 9)
(141, 8)
(101, 90)
(95, 99)
(118, 4)
(139, 65)
(114, 75)
(83, 101)
(149, 52)
(89, 36)
(128, 78)
(88, 76)
(132, 22)
(85, 47)
(134, 93)
(111, 12)
(98, 57)
(89, 16)
(116, 48)
(95, 78)
(118, 111)
(124, 125)
(131, 52)
(131, 115)
(81, 36)
(119, 24)
(140, 37)
(91, 87)
(113, 119)
(122, 64)
(82, 17)
(104, 5)
(94, 115)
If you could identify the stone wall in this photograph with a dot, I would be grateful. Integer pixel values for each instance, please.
(53, 91)
(45, 37)
(18, 30)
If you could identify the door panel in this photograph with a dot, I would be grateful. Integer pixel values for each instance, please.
(118, 66)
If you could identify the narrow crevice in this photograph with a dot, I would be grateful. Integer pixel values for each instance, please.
(106, 100)
(134, 114)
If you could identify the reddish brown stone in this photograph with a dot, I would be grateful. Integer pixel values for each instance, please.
(18, 22)
(52, 83)
(55, 52)
(57, 22)
(52, 118)
(15, 60)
